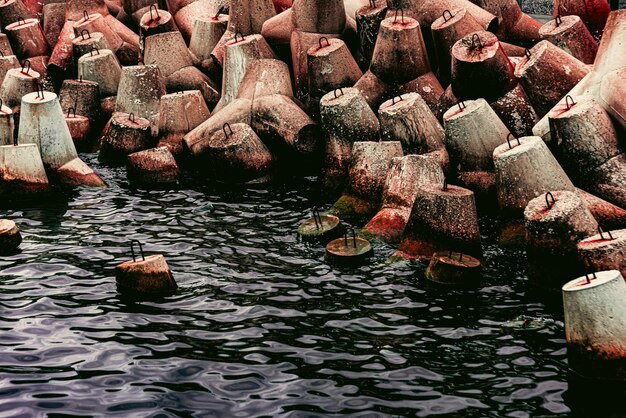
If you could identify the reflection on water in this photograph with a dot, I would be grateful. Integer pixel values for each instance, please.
(261, 325)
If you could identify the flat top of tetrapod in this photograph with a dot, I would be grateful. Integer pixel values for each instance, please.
(552, 28)
(464, 108)
(600, 278)
(515, 149)
(37, 97)
(607, 239)
(6, 225)
(32, 21)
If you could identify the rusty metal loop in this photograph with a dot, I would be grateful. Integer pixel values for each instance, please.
(1, 104)
(317, 218)
(393, 99)
(229, 128)
(558, 20)
(156, 10)
(508, 140)
(242, 37)
(85, 15)
(80, 79)
(93, 48)
(335, 92)
(345, 238)
(219, 12)
(26, 64)
(40, 92)
(567, 99)
(449, 14)
(445, 185)
(527, 53)
(1, 54)
(132, 250)
(395, 18)
(131, 117)
(593, 275)
(475, 37)
(82, 34)
(20, 19)
(71, 110)
(461, 105)
(601, 231)
(320, 42)
(548, 204)
(373, 4)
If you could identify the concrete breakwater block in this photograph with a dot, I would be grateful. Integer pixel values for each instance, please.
(348, 251)
(237, 155)
(571, 35)
(368, 171)
(155, 166)
(321, 228)
(554, 225)
(90, 67)
(22, 173)
(604, 250)
(405, 175)
(443, 218)
(149, 276)
(10, 237)
(595, 325)
(124, 135)
(453, 268)
(179, 113)
(16, 84)
(7, 125)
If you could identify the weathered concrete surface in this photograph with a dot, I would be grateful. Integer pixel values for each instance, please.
(150, 275)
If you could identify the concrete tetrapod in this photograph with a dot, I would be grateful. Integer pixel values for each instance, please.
(443, 218)
(153, 167)
(196, 142)
(11, 11)
(5, 46)
(27, 38)
(595, 325)
(368, 19)
(405, 175)
(93, 23)
(180, 113)
(400, 53)
(7, 62)
(514, 25)
(205, 35)
(473, 132)
(139, 92)
(604, 251)
(156, 21)
(321, 228)
(588, 146)
(516, 111)
(194, 10)
(331, 66)
(265, 77)
(237, 155)
(346, 118)
(150, 275)
(60, 62)
(348, 251)
(408, 119)
(547, 74)
(481, 68)
(525, 170)
(571, 35)
(286, 128)
(22, 174)
(239, 54)
(453, 268)
(7, 125)
(555, 223)
(90, 67)
(10, 237)
(607, 214)
(373, 89)
(124, 135)
(80, 128)
(42, 122)
(17, 83)
(369, 167)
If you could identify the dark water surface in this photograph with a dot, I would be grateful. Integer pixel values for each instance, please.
(261, 325)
